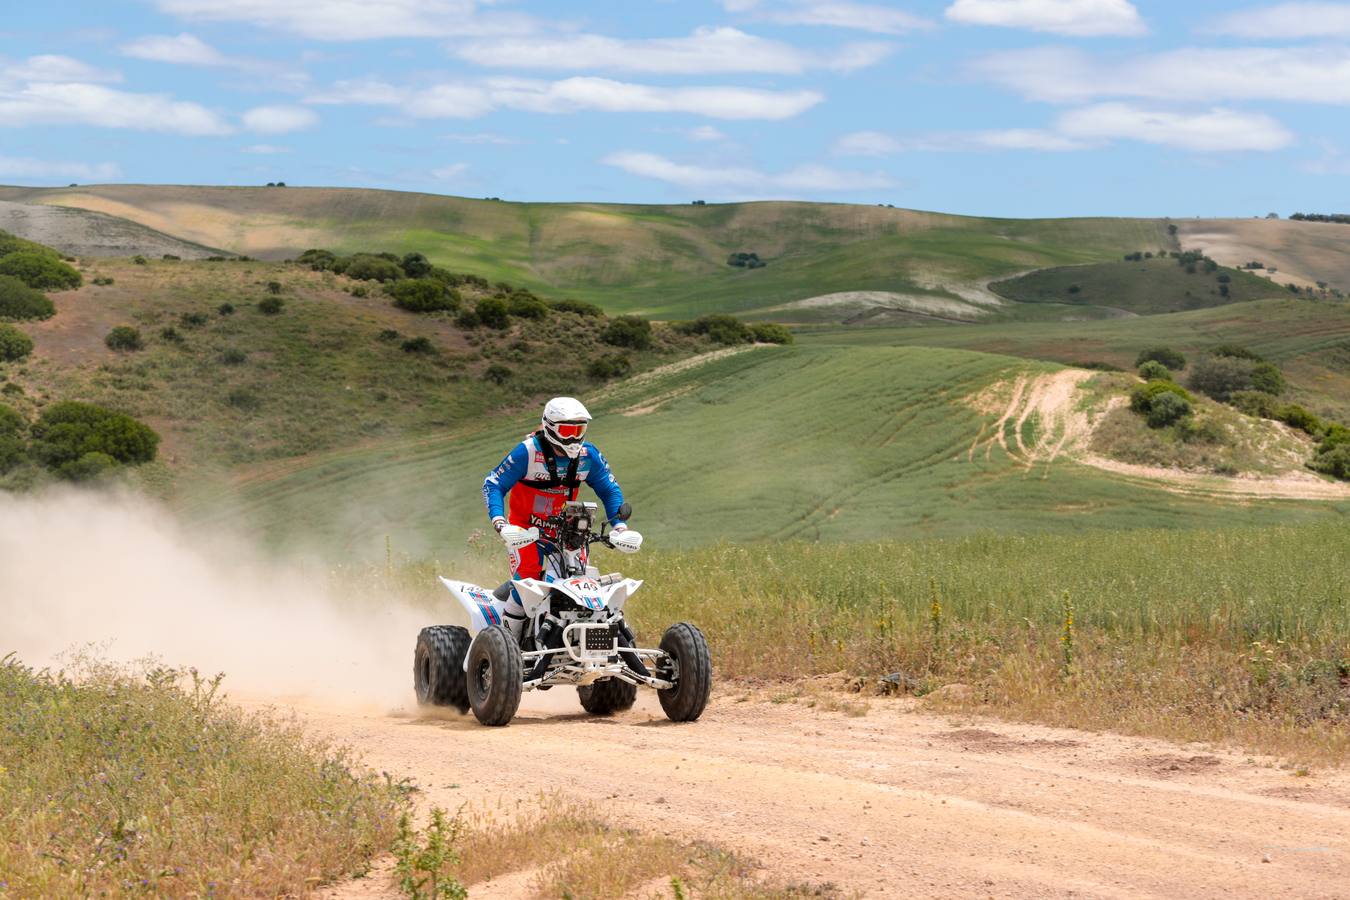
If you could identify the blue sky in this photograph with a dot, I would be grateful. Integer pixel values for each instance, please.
(999, 107)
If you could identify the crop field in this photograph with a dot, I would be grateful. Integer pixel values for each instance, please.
(802, 442)
(1309, 338)
(664, 261)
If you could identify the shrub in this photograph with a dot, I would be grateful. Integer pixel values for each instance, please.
(12, 426)
(1167, 408)
(1200, 431)
(274, 287)
(234, 357)
(171, 257)
(19, 301)
(415, 265)
(723, 329)
(1335, 462)
(1254, 403)
(1335, 436)
(770, 333)
(497, 374)
(468, 319)
(364, 267)
(170, 335)
(493, 313)
(88, 467)
(1235, 351)
(192, 319)
(270, 306)
(580, 307)
(14, 344)
(67, 431)
(1221, 376)
(418, 345)
(244, 399)
(1165, 355)
(1296, 416)
(1143, 396)
(140, 260)
(423, 295)
(1152, 370)
(745, 261)
(360, 291)
(11, 243)
(225, 309)
(389, 335)
(103, 281)
(1267, 377)
(614, 365)
(40, 271)
(318, 260)
(124, 338)
(628, 331)
(525, 305)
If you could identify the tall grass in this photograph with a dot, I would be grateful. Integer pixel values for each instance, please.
(1229, 635)
(115, 785)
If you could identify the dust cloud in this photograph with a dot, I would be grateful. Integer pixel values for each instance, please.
(119, 574)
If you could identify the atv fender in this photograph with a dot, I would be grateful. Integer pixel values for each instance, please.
(476, 608)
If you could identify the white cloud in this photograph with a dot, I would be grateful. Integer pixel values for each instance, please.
(1211, 131)
(279, 119)
(471, 99)
(867, 143)
(1216, 130)
(706, 51)
(184, 48)
(355, 20)
(90, 104)
(840, 14)
(1288, 20)
(1061, 75)
(742, 180)
(706, 133)
(53, 69)
(1080, 18)
(450, 172)
(265, 149)
(481, 138)
(18, 167)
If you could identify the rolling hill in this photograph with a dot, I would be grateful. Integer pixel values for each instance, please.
(663, 261)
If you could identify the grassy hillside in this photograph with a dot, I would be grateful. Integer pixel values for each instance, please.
(1141, 287)
(329, 370)
(1300, 252)
(1310, 339)
(819, 442)
(667, 261)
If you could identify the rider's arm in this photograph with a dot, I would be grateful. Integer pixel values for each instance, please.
(501, 479)
(601, 480)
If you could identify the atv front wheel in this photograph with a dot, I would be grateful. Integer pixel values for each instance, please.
(438, 667)
(494, 675)
(608, 695)
(688, 648)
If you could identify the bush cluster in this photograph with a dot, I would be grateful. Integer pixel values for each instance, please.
(124, 339)
(628, 331)
(1170, 358)
(1161, 402)
(725, 329)
(580, 307)
(40, 271)
(12, 426)
(19, 301)
(1152, 370)
(423, 295)
(14, 344)
(80, 440)
(1223, 376)
(745, 261)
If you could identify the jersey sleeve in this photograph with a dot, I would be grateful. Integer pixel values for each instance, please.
(504, 477)
(602, 481)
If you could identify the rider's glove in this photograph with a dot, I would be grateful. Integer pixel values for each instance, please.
(515, 537)
(625, 539)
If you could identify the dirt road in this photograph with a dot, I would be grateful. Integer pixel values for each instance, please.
(901, 802)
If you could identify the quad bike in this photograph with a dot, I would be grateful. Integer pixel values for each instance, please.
(573, 633)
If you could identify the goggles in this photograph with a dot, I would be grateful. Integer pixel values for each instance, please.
(570, 431)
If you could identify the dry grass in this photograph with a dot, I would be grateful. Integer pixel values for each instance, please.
(114, 785)
(575, 852)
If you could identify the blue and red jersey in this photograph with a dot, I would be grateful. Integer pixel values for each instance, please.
(523, 490)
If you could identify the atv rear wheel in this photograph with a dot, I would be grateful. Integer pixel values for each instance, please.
(608, 695)
(494, 675)
(438, 667)
(687, 646)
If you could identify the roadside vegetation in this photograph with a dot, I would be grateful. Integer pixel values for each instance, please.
(119, 784)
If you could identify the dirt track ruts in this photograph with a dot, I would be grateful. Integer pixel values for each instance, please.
(900, 802)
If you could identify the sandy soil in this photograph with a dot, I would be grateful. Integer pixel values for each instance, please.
(901, 802)
(1302, 252)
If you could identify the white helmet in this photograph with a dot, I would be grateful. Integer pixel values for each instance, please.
(564, 424)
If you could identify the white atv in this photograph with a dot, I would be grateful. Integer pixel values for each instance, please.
(573, 633)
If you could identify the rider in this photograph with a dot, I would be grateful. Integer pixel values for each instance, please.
(542, 473)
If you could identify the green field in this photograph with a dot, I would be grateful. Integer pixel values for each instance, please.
(806, 442)
(1310, 339)
(1142, 287)
(663, 261)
